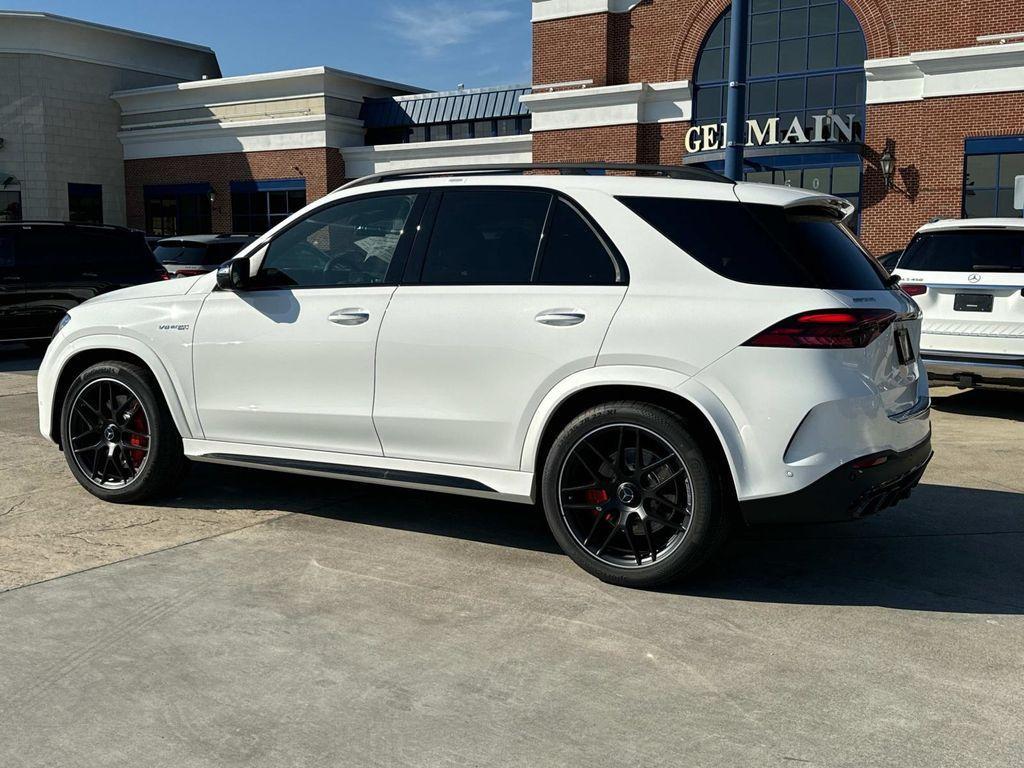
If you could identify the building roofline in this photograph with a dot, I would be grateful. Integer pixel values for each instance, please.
(462, 92)
(267, 76)
(107, 28)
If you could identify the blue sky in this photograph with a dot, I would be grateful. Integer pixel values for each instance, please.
(436, 44)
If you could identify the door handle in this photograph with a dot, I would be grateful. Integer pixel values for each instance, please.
(349, 316)
(561, 317)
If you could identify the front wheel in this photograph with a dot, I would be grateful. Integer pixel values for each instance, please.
(118, 437)
(632, 496)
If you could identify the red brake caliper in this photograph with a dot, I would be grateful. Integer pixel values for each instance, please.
(136, 440)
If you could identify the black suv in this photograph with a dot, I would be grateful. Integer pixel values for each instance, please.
(46, 268)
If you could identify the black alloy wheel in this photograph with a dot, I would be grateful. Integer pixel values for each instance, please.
(625, 495)
(109, 433)
(634, 495)
(118, 436)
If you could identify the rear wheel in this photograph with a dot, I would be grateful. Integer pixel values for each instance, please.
(118, 437)
(632, 496)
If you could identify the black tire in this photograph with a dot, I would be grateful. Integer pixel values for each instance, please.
(163, 465)
(699, 530)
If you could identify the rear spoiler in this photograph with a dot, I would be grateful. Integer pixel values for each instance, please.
(823, 205)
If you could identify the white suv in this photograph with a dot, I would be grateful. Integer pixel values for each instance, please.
(968, 277)
(645, 356)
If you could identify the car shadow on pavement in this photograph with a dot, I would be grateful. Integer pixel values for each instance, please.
(947, 549)
(996, 404)
(214, 487)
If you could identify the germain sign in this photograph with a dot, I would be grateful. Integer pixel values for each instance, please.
(825, 128)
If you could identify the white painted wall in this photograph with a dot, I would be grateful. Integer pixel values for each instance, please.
(544, 10)
(952, 72)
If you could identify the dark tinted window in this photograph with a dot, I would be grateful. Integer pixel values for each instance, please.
(573, 253)
(180, 253)
(486, 237)
(967, 251)
(61, 252)
(761, 244)
(209, 255)
(218, 253)
(351, 243)
(8, 251)
(85, 203)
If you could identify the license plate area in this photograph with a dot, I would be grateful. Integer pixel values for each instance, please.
(973, 302)
(904, 347)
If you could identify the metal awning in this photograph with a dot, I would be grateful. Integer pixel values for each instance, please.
(445, 107)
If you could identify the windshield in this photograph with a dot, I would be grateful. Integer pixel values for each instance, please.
(180, 253)
(970, 250)
(197, 253)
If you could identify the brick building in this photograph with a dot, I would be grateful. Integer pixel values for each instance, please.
(127, 128)
(832, 85)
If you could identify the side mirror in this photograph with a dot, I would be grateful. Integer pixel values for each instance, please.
(233, 275)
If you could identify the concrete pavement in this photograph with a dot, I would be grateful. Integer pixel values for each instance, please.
(269, 620)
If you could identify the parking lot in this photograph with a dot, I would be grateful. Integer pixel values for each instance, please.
(270, 620)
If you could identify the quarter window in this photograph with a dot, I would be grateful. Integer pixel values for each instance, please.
(762, 244)
(351, 243)
(485, 237)
(573, 253)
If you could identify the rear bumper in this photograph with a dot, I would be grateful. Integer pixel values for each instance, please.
(846, 493)
(975, 370)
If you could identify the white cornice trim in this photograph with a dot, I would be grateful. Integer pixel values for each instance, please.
(545, 10)
(302, 132)
(611, 105)
(363, 161)
(953, 72)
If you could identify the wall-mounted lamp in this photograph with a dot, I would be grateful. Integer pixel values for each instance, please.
(888, 164)
(212, 197)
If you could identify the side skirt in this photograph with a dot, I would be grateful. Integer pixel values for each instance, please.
(483, 482)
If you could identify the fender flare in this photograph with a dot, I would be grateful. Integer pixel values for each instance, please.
(667, 381)
(171, 387)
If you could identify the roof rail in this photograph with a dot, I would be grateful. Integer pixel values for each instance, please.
(688, 172)
(56, 223)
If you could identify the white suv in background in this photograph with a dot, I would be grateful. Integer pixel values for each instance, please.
(644, 356)
(968, 278)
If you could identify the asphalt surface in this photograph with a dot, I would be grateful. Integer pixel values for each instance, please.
(269, 620)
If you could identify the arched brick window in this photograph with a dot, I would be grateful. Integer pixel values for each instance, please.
(805, 61)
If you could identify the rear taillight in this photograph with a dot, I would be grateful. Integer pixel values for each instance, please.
(827, 329)
(914, 289)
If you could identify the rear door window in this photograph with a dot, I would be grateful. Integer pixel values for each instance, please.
(573, 253)
(968, 250)
(47, 253)
(8, 252)
(763, 244)
(111, 253)
(486, 237)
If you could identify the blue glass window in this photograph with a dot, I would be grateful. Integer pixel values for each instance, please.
(990, 169)
(805, 58)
